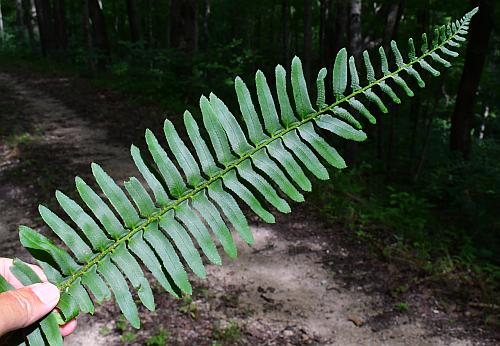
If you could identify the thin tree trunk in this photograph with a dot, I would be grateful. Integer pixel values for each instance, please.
(392, 23)
(340, 33)
(133, 21)
(99, 26)
(28, 21)
(285, 31)
(355, 48)
(355, 34)
(20, 23)
(59, 15)
(2, 33)
(206, 21)
(325, 33)
(461, 121)
(87, 36)
(42, 13)
(184, 25)
(307, 40)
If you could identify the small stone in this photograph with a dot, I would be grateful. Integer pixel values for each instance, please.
(358, 321)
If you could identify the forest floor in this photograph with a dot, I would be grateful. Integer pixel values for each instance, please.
(302, 282)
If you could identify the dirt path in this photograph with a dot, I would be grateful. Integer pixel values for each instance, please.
(279, 292)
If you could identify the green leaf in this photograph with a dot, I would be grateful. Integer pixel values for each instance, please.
(77, 292)
(100, 210)
(322, 147)
(357, 105)
(287, 116)
(96, 284)
(210, 213)
(354, 75)
(50, 329)
(216, 132)
(170, 260)
(67, 234)
(141, 198)
(232, 183)
(88, 226)
(283, 156)
(308, 158)
(168, 171)
(299, 87)
(372, 97)
(231, 127)
(266, 101)
(231, 209)
(250, 116)
(340, 128)
(198, 230)
(147, 256)
(344, 114)
(340, 74)
(320, 86)
(262, 160)
(183, 243)
(132, 270)
(24, 273)
(247, 172)
(67, 306)
(116, 196)
(157, 188)
(119, 286)
(36, 242)
(205, 157)
(182, 154)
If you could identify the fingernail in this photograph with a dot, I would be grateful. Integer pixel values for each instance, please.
(46, 292)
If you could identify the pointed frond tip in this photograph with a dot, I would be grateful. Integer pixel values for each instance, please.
(185, 207)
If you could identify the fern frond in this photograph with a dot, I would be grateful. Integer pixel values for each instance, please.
(193, 193)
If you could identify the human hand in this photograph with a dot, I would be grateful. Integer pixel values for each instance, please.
(27, 304)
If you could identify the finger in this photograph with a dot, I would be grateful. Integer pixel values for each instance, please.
(68, 328)
(20, 308)
(6, 263)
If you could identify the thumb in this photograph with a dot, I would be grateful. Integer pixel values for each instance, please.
(22, 307)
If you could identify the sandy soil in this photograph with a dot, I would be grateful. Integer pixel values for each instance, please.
(279, 292)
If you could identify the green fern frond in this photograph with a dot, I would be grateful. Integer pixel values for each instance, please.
(193, 193)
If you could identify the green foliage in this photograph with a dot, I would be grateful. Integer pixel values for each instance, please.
(229, 334)
(159, 339)
(265, 166)
(401, 307)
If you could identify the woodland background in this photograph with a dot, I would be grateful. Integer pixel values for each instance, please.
(426, 184)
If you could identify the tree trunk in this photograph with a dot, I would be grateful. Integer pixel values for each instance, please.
(44, 25)
(394, 14)
(133, 21)
(2, 33)
(20, 23)
(87, 36)
(184, 25)
(99, 26)
(59, 15)
(206, 20)
(355, 49)
(339, 36)
(28, 21)
(285, 31)
(355, 34)
(325, 33)
(307, 40)
(461, 121)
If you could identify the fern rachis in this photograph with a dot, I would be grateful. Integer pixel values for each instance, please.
(267, 157)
